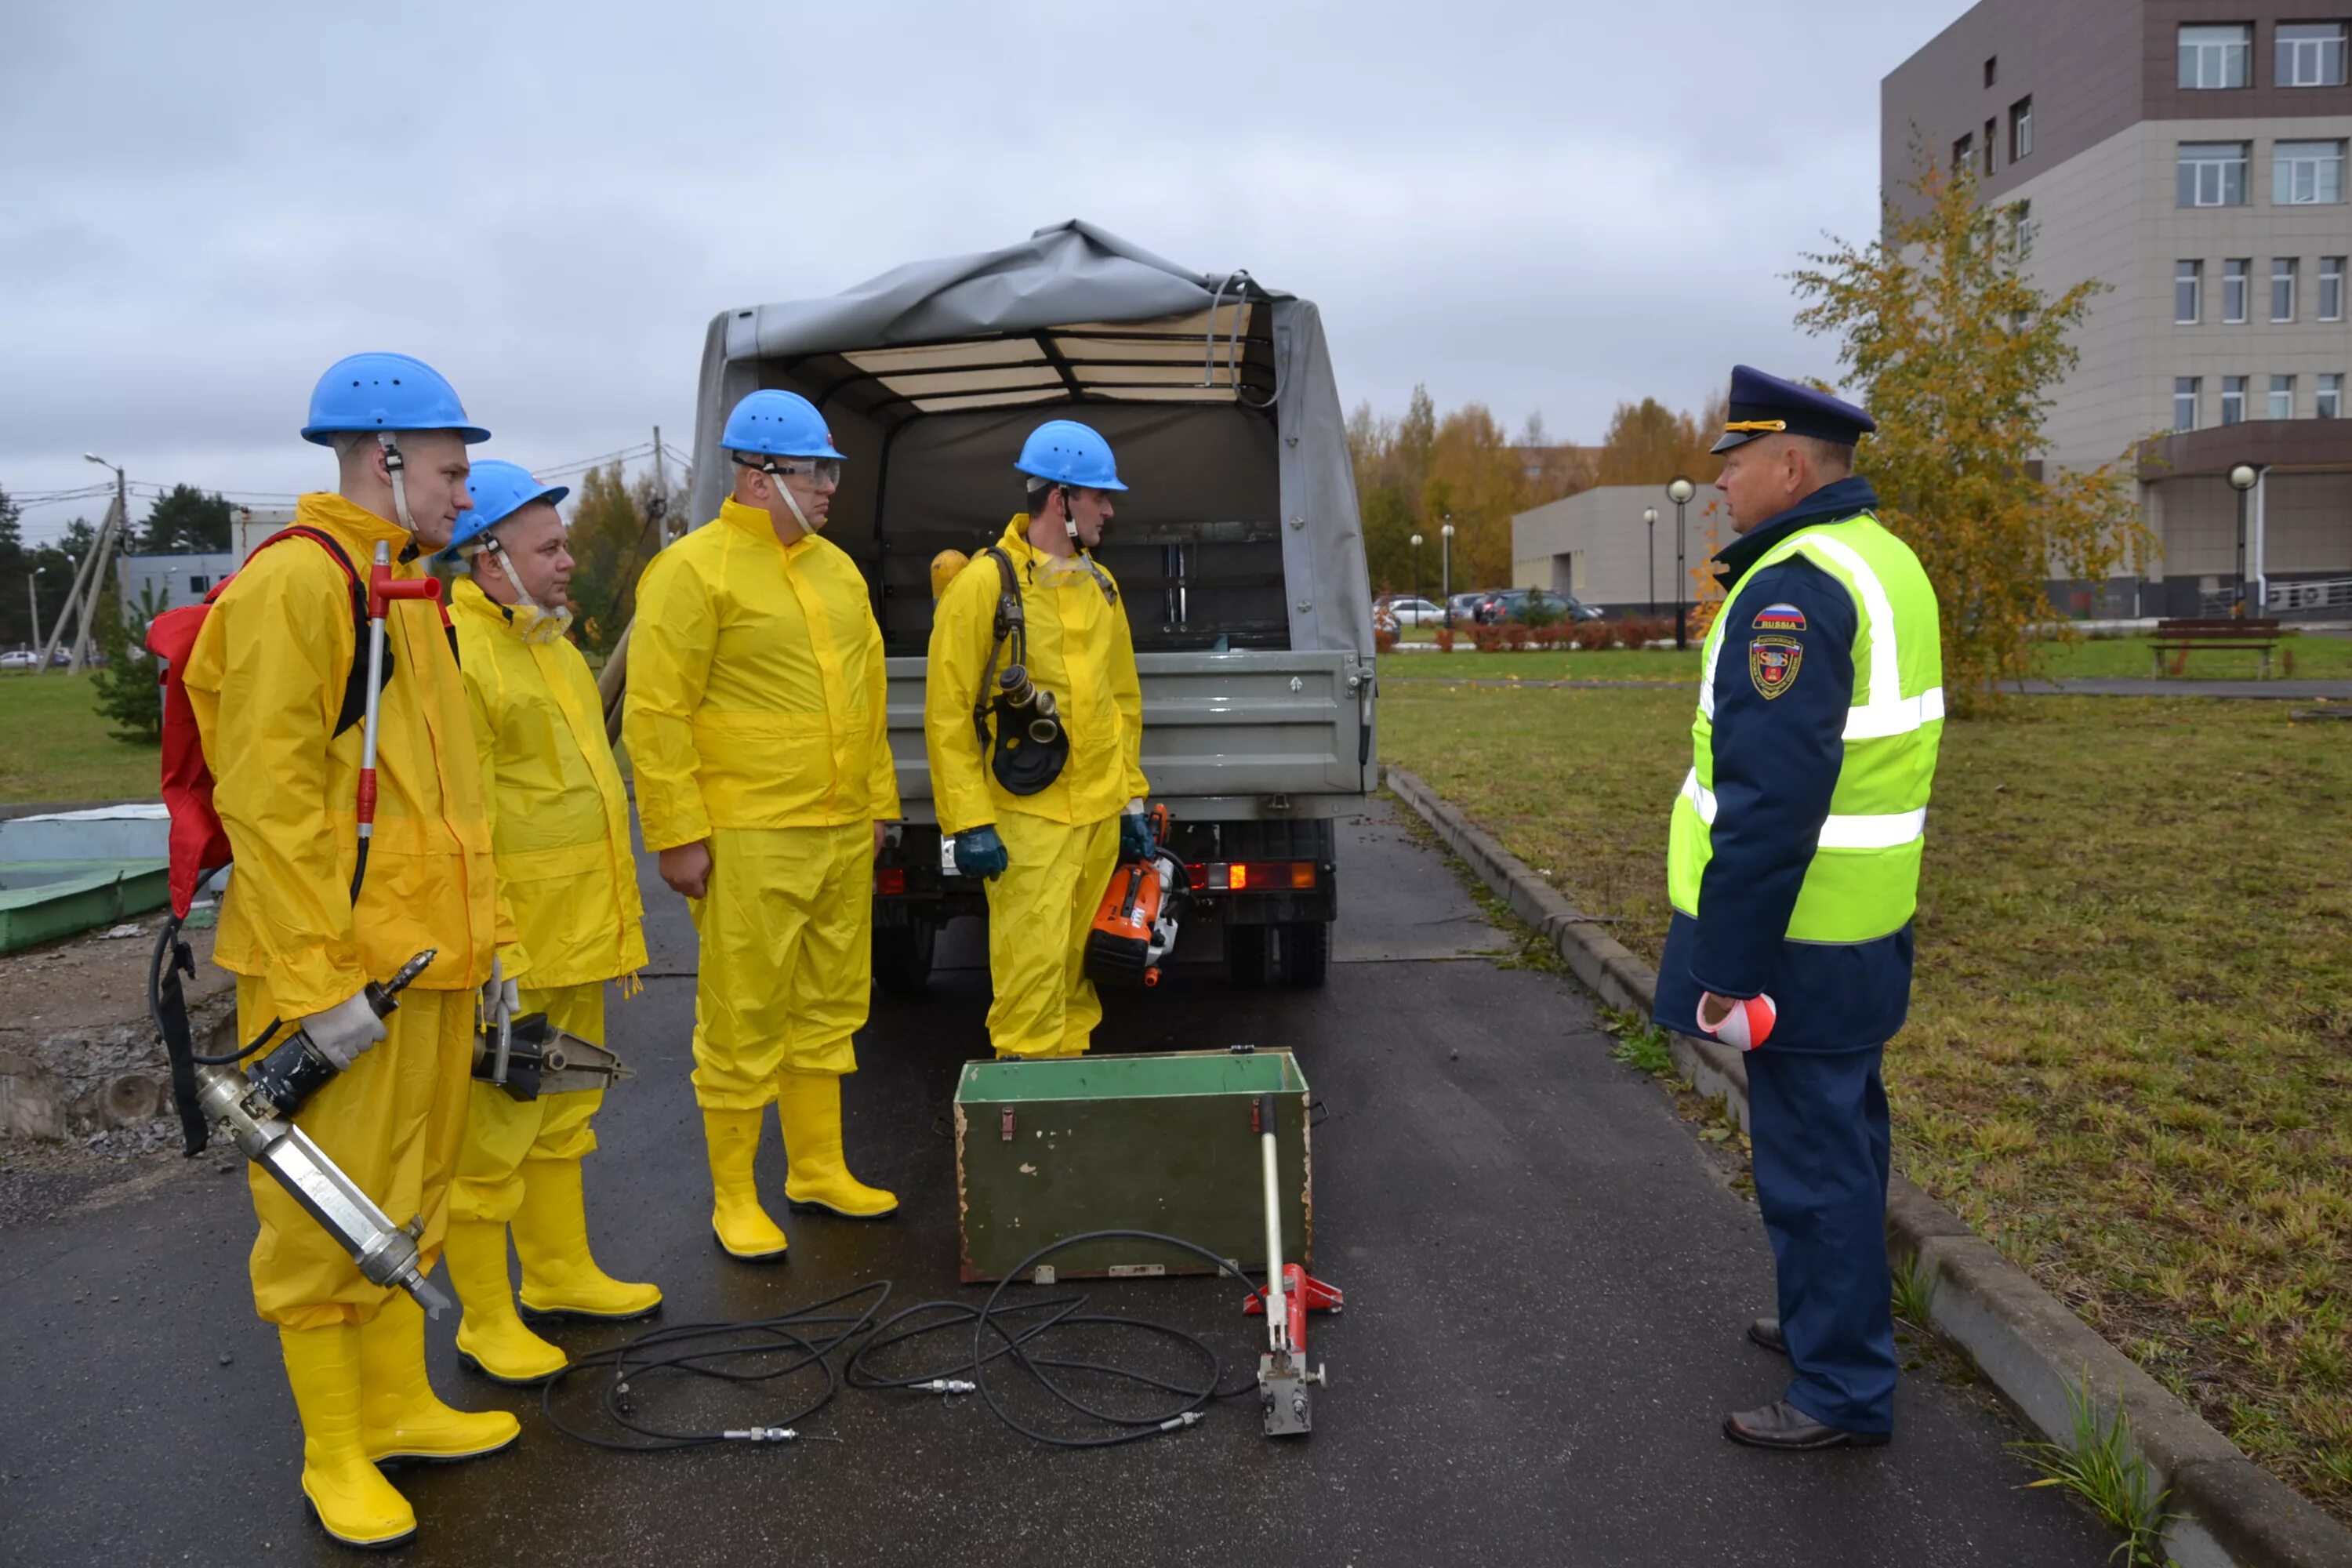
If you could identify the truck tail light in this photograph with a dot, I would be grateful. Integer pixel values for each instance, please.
(1253, 876)
(890, 880)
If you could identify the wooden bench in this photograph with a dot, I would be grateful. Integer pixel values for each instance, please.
(2187, 636)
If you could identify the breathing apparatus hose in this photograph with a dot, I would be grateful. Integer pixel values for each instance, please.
(1001, 1335)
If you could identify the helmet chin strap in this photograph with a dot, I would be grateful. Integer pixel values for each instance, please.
(394, 466)
(776, 481)
(1069, 514)
(537, 622)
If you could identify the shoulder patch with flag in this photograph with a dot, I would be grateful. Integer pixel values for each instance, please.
(1781, 618)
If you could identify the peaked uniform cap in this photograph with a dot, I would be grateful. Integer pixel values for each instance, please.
(1764, 405)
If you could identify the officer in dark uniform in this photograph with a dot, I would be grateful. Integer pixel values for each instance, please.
(1794, 871)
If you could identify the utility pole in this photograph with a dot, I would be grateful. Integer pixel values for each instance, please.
(661, 489)
(117, 522)
(33, 597)
(74, 594)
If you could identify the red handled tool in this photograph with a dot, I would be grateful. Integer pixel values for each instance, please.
(383, 587)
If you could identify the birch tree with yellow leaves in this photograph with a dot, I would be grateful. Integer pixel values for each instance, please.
(1958, 356)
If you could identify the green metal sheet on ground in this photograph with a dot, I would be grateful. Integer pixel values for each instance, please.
(1168, 1143)
(41, 901)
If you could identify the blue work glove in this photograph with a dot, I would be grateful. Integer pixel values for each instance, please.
(979, 852)
(1135, 837)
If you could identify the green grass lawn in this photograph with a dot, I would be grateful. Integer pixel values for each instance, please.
(2129, 1059)
(58, 748)
(2313, 658)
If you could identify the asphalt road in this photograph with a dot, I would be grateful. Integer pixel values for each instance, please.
(1548, 1277)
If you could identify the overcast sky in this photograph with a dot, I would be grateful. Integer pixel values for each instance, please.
(1542, 206)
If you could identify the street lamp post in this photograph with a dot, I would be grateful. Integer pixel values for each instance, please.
(1680, 491)
(1649, 523)
(2242, 479)
(1445, 554)
(1416, 575)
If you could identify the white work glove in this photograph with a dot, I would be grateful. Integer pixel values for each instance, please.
(345, 1031)
(502, 997)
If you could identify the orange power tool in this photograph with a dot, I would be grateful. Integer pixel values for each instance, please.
(1135, 925)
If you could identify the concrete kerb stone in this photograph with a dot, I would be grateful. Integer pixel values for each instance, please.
(2026, 1343)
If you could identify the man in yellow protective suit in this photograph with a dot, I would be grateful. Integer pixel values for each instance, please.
(272, 675)
(1047, 838)
(560, 825)
(756, 724)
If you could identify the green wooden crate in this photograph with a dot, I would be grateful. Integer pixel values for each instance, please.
(1166, 1143)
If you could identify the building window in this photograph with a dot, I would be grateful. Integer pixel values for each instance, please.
(2021, 236)
(2236, 274)
(2020, 129)
(2282, 397)
(1992, 129)
(1964, 152)
(2310, 54)
(2328, 402)
(2217, 56)
(2331, 288)
(1992, 70)
(2283, 288)
(2212, 173)
(2302, 173)
(2234, 400)
(2187, 292)
(2184, 403)
(198, 585)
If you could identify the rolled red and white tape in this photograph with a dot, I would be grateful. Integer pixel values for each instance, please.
(1747, 1026)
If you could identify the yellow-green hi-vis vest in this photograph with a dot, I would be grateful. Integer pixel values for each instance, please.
(1863, 880)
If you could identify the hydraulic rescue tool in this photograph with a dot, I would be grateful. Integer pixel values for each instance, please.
(528, 1056)
(255, 1113)
(214, 1095)
(1289, 1295)
(1135, 926)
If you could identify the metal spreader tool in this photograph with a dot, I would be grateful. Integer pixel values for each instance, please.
(1290, 1293)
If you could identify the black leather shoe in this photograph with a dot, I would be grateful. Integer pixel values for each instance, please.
(1766, 1331)
(1781, 1425)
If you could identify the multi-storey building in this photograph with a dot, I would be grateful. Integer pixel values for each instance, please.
(2190, 155)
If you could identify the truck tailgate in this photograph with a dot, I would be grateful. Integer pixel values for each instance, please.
(1235, 728)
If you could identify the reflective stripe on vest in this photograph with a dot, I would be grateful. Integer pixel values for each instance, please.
(1880, 831)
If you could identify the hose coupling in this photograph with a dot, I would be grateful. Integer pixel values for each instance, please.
(946, 1385)
(1189, 1418)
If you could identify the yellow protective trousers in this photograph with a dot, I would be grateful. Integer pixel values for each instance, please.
(503, 1134)
(787, 958)
(1054, 881)
(393, 1122)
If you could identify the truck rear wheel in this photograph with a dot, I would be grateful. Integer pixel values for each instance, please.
(1306, 952)
(902, 955)
(1248, 953)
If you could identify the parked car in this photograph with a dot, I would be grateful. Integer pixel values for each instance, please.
(1407, 611)
(1512, 603)
(1462, 608)
(20, 658)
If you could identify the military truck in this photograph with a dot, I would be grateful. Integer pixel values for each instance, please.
(1237, 548)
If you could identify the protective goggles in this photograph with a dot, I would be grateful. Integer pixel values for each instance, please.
(818, 471)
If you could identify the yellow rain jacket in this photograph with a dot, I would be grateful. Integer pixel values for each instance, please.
(1080, 650)
(265, 678)
(757, 695)
(558, 816)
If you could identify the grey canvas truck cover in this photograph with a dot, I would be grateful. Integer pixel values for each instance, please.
(1238, 547)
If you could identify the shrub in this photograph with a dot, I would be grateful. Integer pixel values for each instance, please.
(1488, 639)
(1444, 639)
(1515, 635)
(125, 688)
(1383, 639)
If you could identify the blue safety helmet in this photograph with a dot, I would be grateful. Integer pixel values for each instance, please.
(780, 424)
(385, 392)
(500, 489)
(1069, 453)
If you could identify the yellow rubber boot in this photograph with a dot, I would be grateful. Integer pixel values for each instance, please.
(352, 1501)
(491, 1340)
(400, 1415)
(808, 1104)
(741, 1226)
(560, 1277)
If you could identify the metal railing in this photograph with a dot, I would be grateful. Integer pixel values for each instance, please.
(2329, 594)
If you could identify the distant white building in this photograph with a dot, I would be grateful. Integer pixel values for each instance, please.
(1595, 546)
(177, 579)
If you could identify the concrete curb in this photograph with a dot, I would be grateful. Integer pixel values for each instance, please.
(2029, 1344)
